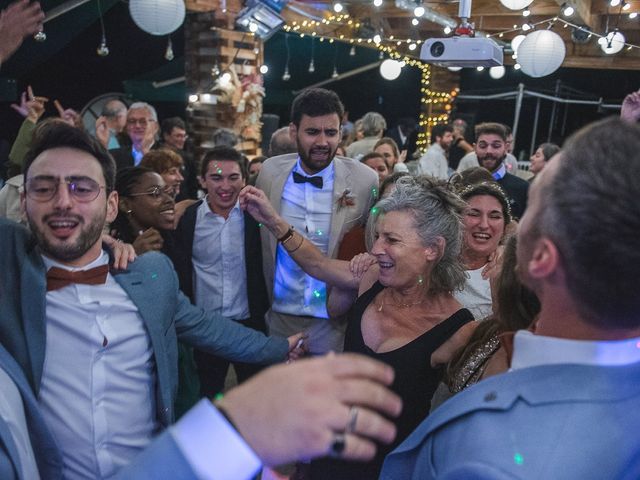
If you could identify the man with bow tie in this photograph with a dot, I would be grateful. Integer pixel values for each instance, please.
(98, 348)
(322, 196)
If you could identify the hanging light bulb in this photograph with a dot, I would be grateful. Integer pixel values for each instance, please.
(526, 12)
(516, 66)
(414, 22)
(526, 27)
(567, 10)
(215, 70)
(286, 76)
(614, 3)
(335, 73)
(102, 49)
(447, 30)
(377, 3)
(352, 52)
(377, 38)
(479, 69)
(264, 69)
(337, 7)
(413, 46)
(418, 11)
(168, 54)
(626, 6)
(312, 67)
(633, 15)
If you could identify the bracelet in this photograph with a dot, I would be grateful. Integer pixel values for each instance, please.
(298, 246)
(287, 236)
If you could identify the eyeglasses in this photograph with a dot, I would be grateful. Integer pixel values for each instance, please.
(44, 188)
(143, 122)
(155, 192)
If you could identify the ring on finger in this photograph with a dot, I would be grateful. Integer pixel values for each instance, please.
(353, 418)
(337, 445)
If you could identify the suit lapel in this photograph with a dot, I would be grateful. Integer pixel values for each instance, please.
(341, 182)
(34, 315)
(275, 194)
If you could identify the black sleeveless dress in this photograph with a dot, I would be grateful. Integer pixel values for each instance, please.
(415, 382)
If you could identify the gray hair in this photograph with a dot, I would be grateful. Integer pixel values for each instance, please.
(280, 143)
(373, 124)
(141, 105)
(437, 213)
(592, 215)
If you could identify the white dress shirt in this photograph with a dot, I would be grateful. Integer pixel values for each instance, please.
(219, 269)
(12, 412)
(98, 384)
(309, 210)
(212, 447)
(531, 350)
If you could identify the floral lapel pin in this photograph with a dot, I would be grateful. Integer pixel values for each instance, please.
(346, 199)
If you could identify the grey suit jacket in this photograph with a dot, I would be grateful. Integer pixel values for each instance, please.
(152, 285)
(546, 422)
(361, 180)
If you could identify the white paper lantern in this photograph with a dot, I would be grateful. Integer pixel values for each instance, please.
(516, 4)
(497, 72)
(157, 17)
(515, 43)
(612, 43)
(390, 69)
(541, 53)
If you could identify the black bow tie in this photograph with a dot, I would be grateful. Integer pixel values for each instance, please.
(315, 181)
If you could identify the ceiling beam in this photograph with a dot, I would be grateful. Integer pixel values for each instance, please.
(583, 14)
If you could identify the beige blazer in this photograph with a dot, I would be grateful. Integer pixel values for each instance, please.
(361, 180)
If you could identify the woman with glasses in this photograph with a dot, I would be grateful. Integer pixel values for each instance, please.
(146, 213)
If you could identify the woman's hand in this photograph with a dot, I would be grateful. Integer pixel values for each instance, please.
(147, 241)
(361, 263)
(123, 253)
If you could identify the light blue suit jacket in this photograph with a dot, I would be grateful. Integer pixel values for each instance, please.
(547, 422)
(152, 285)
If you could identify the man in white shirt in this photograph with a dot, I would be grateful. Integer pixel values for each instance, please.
(322, 196)
(98, 346)
(434, 161)
(142, 128)
(218, 259)
(570, 405)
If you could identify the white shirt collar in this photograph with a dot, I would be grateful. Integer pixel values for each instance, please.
(501, 172)
(207, 208)
(102, 259)
(530, 350)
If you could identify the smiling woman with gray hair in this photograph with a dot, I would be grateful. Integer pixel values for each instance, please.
(404, 310)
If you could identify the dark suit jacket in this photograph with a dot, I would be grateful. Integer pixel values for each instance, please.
(123, 157)
(517, 190)
(182, 253)
(152, 285)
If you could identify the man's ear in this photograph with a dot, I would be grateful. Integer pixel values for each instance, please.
(545, 259)
(293, 132)
(112, 206)
(202, 182)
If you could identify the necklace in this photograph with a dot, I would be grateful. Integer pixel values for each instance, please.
(395, 303)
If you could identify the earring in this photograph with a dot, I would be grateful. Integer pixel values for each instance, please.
(129, 212)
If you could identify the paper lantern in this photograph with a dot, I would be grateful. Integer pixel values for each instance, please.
(541, 53)
(515, 43)
(390, 69)
(516, 4)
(612, 43)
(157, 17)
(497, 72)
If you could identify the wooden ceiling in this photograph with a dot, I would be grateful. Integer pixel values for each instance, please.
(490, 17)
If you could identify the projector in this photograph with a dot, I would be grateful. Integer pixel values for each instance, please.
(462, 52)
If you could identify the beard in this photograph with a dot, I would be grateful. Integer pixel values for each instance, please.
(315, 165)
(69, 251)
(493, 162)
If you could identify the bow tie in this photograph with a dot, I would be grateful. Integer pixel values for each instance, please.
(59, 277)
(315, 181)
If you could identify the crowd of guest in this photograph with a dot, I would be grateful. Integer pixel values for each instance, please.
(141, 273)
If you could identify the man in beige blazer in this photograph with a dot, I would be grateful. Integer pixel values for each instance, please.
(323, 197)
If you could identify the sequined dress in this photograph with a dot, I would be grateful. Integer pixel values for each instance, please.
(474, 367)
